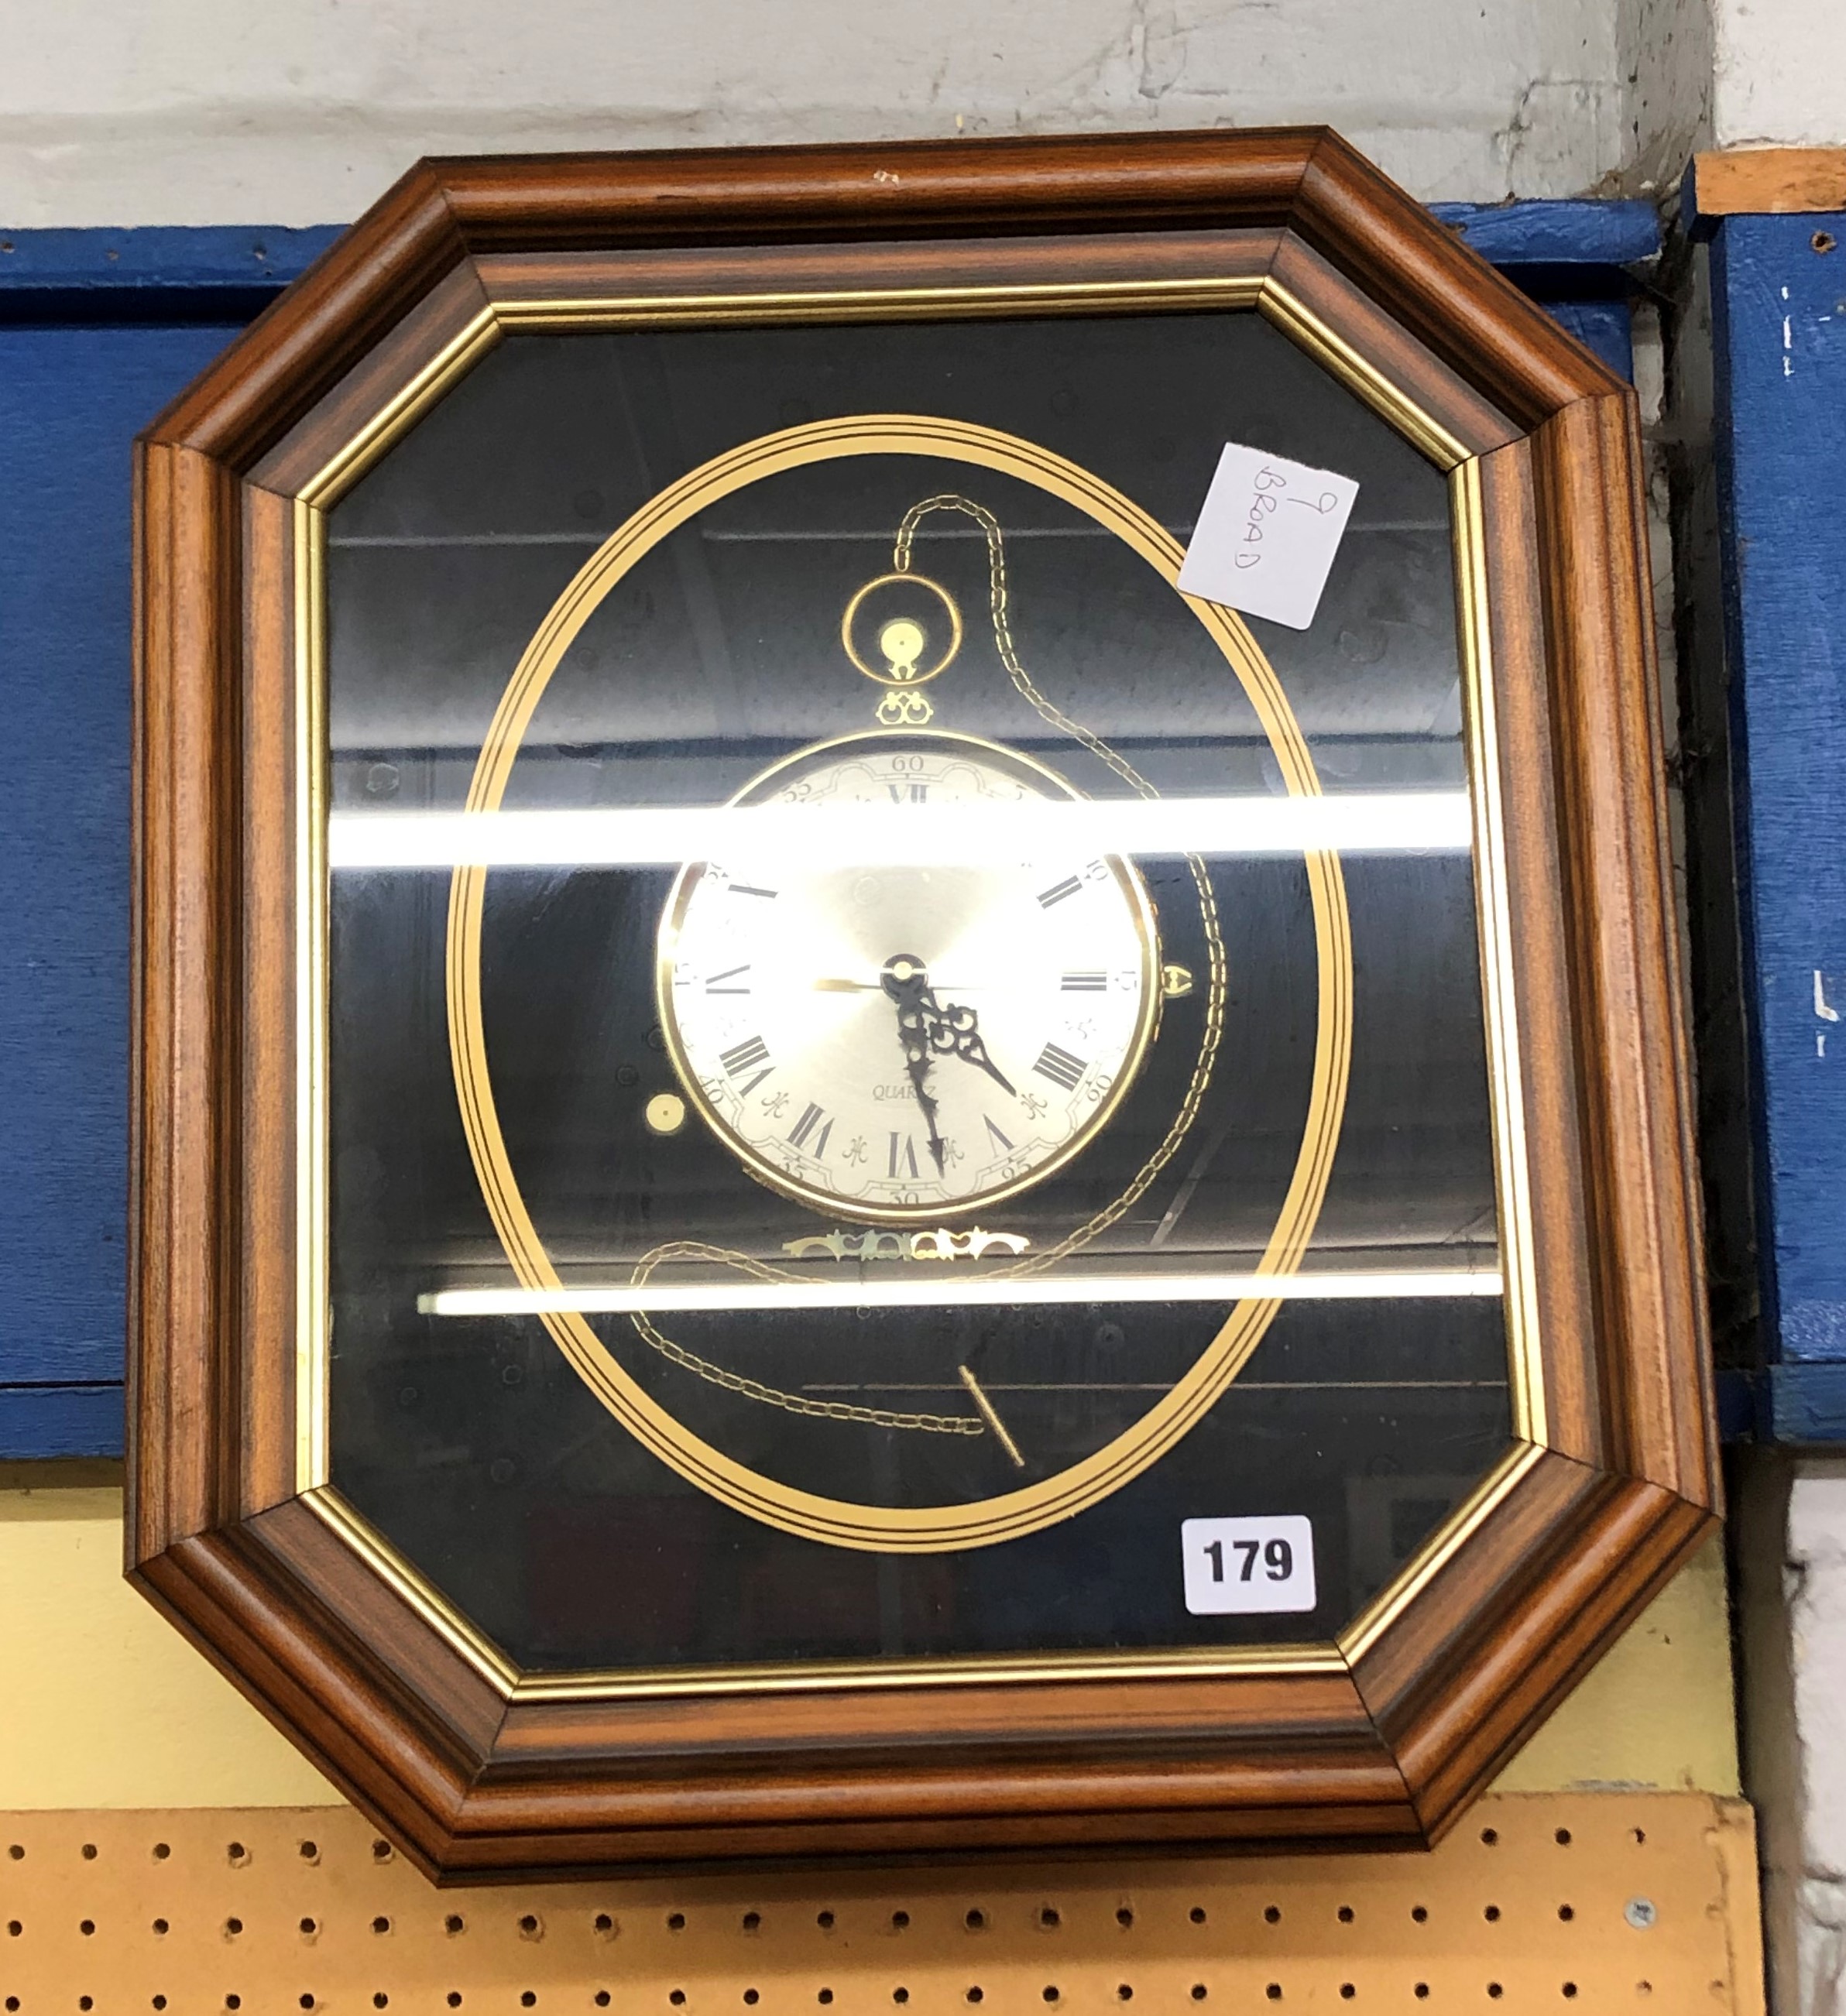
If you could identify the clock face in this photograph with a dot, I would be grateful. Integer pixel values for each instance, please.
(896, 1044)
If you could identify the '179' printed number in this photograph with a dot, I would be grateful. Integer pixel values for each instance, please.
(1241, 1566)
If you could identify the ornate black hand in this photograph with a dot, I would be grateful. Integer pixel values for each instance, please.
(928, 1030)
(957, 1030)
(906, 981)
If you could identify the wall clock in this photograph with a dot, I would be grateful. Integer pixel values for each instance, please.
(822, 1170)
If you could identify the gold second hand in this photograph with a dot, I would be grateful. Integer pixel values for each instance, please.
(832, 986)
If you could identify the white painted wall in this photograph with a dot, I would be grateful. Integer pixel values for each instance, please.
(1791, 1530)
(1815, 1591)
(1780, 73)
(122, 112)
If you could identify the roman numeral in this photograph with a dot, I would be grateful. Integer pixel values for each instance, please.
(1058, 890)
(908, 793)
(748, 889)
(903, 1155)
(811, 1118)
(1086, 983)
(999, 1139)
(1060, 1067)
(712, 986)
(745, 1056)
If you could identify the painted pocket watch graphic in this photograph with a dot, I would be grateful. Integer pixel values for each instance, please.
(908, 1042)
(894, 1042)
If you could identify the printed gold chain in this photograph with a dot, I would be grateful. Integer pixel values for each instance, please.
(754, 1389)
(948, 500)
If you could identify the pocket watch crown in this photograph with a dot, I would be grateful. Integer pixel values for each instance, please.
(902, 641)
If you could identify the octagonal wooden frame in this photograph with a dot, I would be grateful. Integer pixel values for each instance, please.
(1384, 1740)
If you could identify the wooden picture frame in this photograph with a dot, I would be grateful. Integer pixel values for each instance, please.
(1382, 1737)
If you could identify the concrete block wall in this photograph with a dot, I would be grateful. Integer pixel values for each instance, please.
(125, 112)
(1778, 73)
(1789, 1535)
(1789, 1526)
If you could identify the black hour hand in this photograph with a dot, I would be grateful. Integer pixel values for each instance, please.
(958, 1033)
(906, 982)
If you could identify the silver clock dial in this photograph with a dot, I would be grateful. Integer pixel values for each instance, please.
(899, 1043)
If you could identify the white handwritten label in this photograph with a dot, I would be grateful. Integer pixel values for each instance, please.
(1267, 535)
(1242, 1565)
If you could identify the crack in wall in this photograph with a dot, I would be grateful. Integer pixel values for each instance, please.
(1157, 47)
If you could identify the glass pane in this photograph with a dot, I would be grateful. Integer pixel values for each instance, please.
(798, 1201)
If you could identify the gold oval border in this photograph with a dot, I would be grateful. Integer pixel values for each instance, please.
(895, 1529)
(1128, 879)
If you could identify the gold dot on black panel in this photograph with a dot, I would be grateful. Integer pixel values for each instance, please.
(666, 1113)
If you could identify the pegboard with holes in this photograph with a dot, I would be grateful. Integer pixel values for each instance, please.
(1640, 1903)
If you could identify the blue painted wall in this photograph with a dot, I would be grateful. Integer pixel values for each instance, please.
(158, 275)
(70, 400)
(98, 330)
(1779, 300)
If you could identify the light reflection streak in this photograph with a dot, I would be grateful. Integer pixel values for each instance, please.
(976, 833)
(659, 1297)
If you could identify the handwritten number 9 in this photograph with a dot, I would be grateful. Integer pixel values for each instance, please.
(1265, 486)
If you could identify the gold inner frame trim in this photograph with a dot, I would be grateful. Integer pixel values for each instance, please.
(1270, 297)
(972, 1669)
(403, 410)
(412, 1588)
(786, 1677)
(1290, 315)
(965, 303)
(1436, 1552)
(1493, 903)
(1506, 1078)
(371, 442)
(312, 985)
